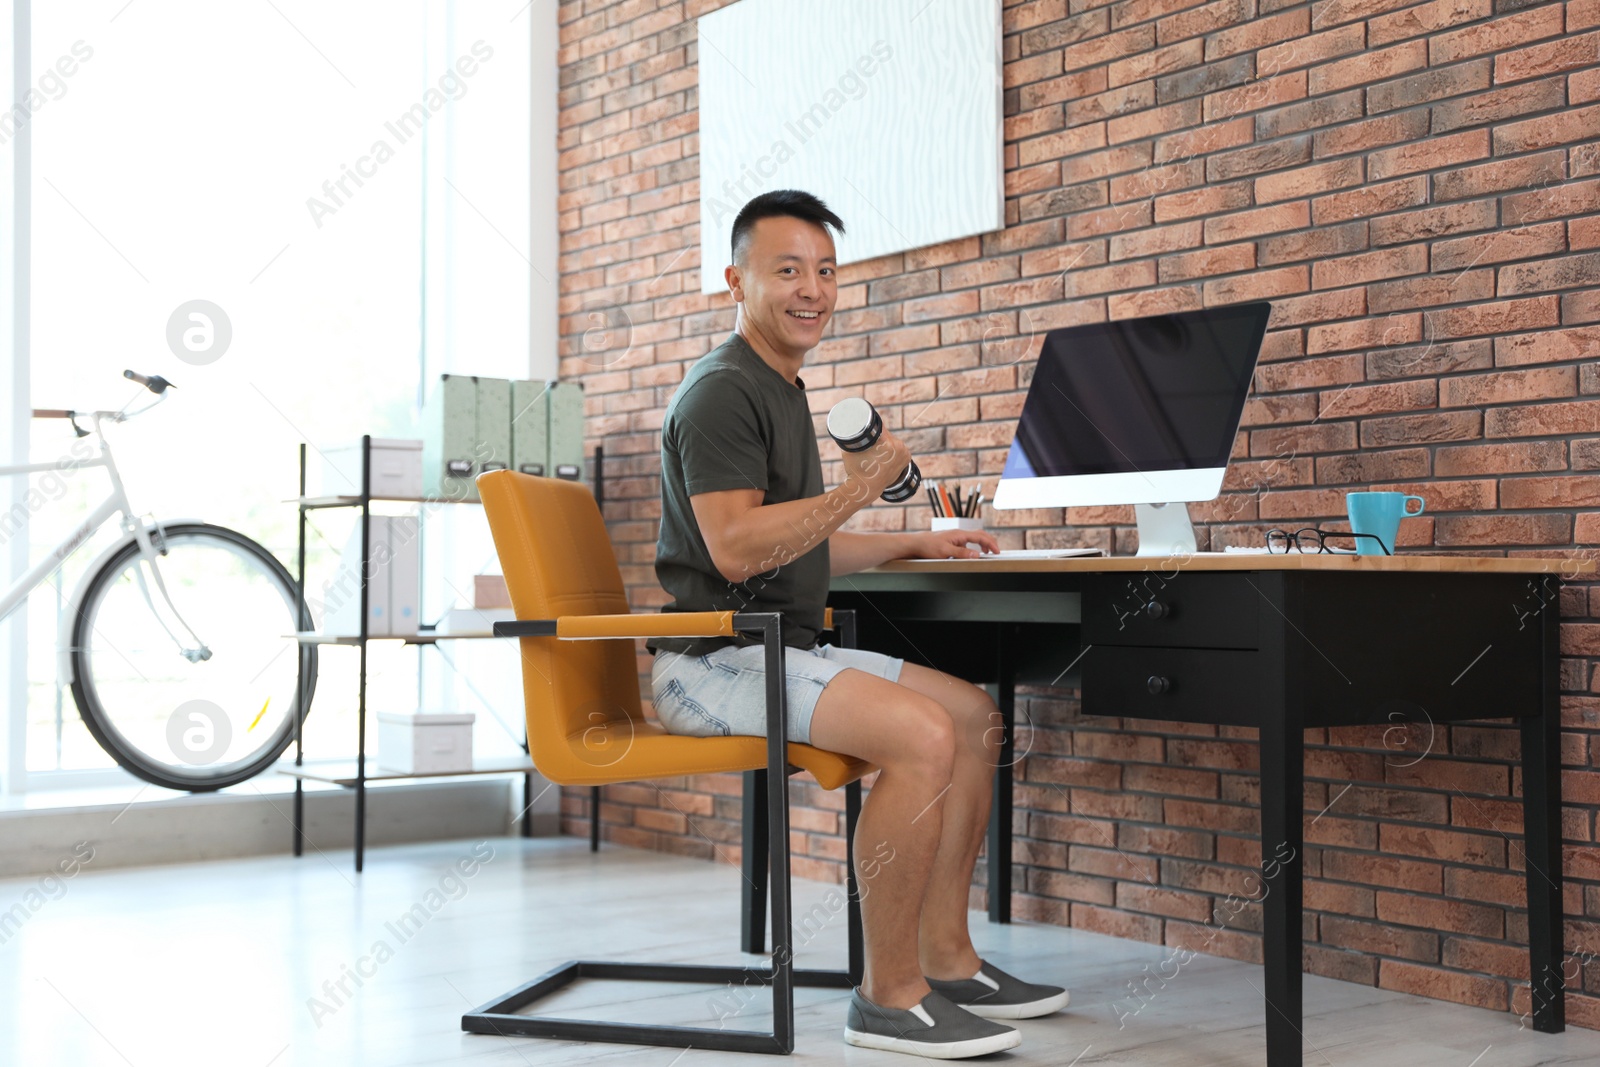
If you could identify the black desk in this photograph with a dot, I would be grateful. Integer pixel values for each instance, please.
(1279, 643)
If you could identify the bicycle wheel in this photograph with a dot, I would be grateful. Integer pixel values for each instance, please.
(179, 712)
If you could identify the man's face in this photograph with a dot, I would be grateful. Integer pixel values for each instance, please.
(787, 284)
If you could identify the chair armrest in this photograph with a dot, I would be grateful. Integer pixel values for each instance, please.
(526, 628)
(638, 624)
(660, 624)
(612, 627)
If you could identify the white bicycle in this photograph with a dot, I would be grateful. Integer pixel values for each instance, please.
(179, 643)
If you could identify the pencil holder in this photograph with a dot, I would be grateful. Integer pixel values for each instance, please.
(956, 524)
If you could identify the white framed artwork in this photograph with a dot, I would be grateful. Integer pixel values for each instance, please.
(889, 110)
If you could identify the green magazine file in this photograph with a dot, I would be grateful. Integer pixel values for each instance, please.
(566, 430)
(449, 438)
(493, 439)
(530, 427)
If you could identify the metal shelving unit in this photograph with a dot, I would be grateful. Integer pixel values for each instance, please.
(357, 779)
(346, 774)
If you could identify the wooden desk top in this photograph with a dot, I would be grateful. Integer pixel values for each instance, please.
(1243, 561)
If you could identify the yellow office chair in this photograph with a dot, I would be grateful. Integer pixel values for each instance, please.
(586, 727)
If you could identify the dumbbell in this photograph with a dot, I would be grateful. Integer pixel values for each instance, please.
(856, 426)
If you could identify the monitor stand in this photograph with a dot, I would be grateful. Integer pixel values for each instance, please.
(1164, 529)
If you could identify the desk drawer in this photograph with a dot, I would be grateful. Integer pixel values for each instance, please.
(1175, 684)
(1186, 610)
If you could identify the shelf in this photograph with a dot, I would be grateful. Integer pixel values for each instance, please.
(422, 637)
(354, 501)
(344, 773)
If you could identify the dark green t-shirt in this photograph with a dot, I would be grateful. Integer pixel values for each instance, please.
(735, 423)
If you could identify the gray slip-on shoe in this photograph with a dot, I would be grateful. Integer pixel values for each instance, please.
(934, 1028)
(994, 994)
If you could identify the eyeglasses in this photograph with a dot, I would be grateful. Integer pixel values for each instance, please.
(1312, 540)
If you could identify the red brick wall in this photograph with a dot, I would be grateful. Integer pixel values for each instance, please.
(1416, 187)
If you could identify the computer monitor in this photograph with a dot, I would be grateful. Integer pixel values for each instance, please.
(1139, 411)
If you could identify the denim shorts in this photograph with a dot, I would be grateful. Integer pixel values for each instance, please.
(725, 692)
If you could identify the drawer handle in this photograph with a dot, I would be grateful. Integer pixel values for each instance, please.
(1158, 685)
(1157, 610)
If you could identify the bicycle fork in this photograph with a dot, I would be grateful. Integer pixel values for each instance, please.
(149, 550)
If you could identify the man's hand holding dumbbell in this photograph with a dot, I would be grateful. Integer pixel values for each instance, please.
(877, 467)
(877, 463)
(868, 473)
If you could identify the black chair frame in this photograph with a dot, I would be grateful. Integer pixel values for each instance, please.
(502, 1016)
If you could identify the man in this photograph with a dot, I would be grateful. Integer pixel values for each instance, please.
(746, 525)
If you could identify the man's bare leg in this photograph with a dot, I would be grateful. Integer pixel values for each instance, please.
(945, 942)
(911, 738)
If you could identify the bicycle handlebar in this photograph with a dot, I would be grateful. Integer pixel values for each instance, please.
(155, 383)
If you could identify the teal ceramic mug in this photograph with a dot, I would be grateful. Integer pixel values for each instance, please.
(1379, 514)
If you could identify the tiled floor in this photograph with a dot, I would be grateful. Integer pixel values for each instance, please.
(254, 963)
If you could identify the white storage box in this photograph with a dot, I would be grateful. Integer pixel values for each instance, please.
(393, 580)
(424, 744)
(396, 469)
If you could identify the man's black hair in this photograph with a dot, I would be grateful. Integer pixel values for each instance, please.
(790, 203)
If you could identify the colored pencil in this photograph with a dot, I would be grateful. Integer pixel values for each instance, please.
(933, 501)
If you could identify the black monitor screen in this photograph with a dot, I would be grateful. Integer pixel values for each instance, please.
(1158, 393)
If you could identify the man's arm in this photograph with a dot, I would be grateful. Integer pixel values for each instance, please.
(746, 537)
(851, 552)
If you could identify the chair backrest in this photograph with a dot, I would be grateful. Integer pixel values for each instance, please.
(557, 560)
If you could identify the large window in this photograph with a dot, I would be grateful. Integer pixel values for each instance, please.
(345, 186)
